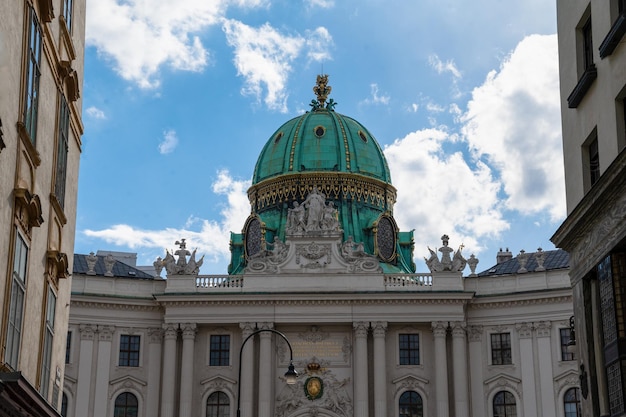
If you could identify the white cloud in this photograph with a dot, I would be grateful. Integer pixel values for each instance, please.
(324, 4)
(375, 98)
(263, 56)
(513, 120)
(169, 142)
(210, 237)
(318, 43)
(442, 67)
(95, 113)
(441, 193)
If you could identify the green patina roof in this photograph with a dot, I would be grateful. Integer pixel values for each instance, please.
(321, 140)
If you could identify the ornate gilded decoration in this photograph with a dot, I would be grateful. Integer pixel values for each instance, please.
(335, 185)
(385, 238)
(29, 211)
(253, 236)
(322, 90)
(313, 388)
(57, 265)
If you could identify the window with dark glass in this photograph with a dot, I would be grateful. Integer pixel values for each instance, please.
(67, 13)
(129, 350)
(611, 273)
(218, 405)
(501, 349)
(587, 45)
(33, 73)
(64, 405)
(566, 336)
(46, 363)
(68, 347)
(594, 161)
(571, 403)
(126, 405)
(409, 349)
(62, 149)
(16, 303)
(219, 350)
(504, 405)
(410, 405)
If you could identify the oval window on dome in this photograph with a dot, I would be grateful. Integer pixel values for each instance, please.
(278, 137)
(362, 136)
(319, 131)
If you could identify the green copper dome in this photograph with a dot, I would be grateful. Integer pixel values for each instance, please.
(321, 140)
(334, 155)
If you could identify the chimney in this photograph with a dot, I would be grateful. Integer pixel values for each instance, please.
(503, 256)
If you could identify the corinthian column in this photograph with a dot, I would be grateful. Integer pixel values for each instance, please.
(380, 369)
(441, 365)
(155, 339)
(87, 335)
(103, 369)
(360, 369)
(459, 357)
(169, 369)
(186, 372)
(266, 378)
(246, 370)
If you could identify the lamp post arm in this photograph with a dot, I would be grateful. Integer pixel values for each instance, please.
(254, 333)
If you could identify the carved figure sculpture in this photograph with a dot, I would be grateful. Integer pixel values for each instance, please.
(314, 204)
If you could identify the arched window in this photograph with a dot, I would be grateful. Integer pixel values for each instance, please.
(411, 405)
(218, 405)
(571, 403)
(126, 405)
(504, 405)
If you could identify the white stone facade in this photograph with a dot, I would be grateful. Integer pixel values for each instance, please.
(344, 329)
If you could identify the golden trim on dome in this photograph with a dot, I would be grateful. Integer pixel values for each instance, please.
(345, 142)
(293, 143)
(336, 186)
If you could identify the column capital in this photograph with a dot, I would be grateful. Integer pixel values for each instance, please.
(105, 333)
(543, 328)
(360, 328)
(170, 330)
(155, 335)
(189, 330)
(439, 328)
(475, 333)
(87, 331)
(524, 330)
(379, 328)
(247, 328)
(458, 329)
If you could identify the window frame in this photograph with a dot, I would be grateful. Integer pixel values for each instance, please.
(19, 280)
(420, 403)
(220, 351)
(32, 76)
(68, 347)
(565, 334)
(62, 151)
(125, 406)
(46, 360)
(226, 413)
(578, 402)
(409, 350)
(493, 350)
(67, 13)
(507, 395)
(130, 360)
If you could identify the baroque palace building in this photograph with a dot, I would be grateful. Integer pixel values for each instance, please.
(592, 61)
(322, 279)
(41, 71)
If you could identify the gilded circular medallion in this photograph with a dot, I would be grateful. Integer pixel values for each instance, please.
(313, 388)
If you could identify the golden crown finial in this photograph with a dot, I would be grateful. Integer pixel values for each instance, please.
(322, 89)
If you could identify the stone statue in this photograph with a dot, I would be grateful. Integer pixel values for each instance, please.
(329, 217)
(296, 218)
(279, 250)
(457, 263)
(314, 204)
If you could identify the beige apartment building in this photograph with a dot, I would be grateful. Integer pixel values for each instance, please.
(592, 59)
(41, 74)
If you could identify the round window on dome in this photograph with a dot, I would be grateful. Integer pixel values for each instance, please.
(278, 137)
(362, 136)
(319, 131)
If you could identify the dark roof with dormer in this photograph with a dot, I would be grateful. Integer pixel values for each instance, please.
(120, 269)
(554, 259)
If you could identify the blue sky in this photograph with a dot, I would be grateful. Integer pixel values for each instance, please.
(179, 100)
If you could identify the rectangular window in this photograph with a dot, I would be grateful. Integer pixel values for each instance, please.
(68, 347)
(67, 14)
(594, 161)
(129, 350)
(409, 347)
(33, 73)
(48, 342)
(219, 350)
(566, 335)
(587, 44)
(62, 149)
(501, 349)
(16, 309)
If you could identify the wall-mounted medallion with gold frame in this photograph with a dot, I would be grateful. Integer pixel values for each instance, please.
(313, 388)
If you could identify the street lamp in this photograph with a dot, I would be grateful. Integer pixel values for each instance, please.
(571, 343)
(291, 376)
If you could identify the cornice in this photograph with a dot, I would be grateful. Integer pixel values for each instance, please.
(115, 305)
(512, 302)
